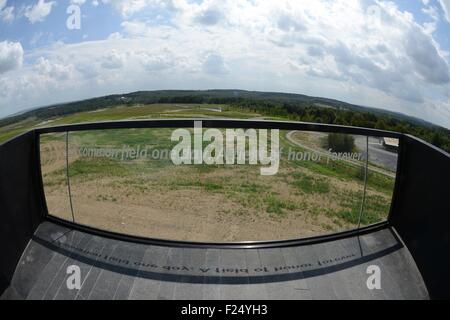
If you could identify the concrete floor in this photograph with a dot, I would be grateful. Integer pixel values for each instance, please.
(112, 269)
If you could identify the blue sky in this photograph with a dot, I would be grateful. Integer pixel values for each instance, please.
(388, 54)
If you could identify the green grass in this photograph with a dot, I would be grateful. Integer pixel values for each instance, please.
(310, 185)
(347, 172)
(251, 188)
(98, 167)
(376, 209)
(11, 133)
(245, 187)
(278, 206)
(208, 185)
(127, 112)
(55, 178)
(381, 183)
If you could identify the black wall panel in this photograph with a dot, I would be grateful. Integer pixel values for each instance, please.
(421, 211)
(20, 201)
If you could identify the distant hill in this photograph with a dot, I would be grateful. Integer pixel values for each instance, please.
(296, 107)
(191, 96)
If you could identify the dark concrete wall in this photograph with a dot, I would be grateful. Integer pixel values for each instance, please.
(421, 211)
(20, 201)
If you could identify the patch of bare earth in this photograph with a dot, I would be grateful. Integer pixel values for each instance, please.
(53, 156)
(158, 210)
(174, 203)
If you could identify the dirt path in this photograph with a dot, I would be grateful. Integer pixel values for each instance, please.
(53, 156)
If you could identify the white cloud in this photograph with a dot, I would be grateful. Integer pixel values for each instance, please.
(446, 7)
(78, 2)
(134, 28)
(214, 64)
(339, 49)
(425, 57)
(113, 60)
(432, 12)
(7, 14)
(209, 17)
(115, 36)
(129, 7)
(11, 56)
(39, 11)
(156, 61)
(54, 70)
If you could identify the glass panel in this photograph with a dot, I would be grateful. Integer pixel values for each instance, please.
(127, 181)
(53, 168)
(383, 156)
(117, 180)
(333, 185)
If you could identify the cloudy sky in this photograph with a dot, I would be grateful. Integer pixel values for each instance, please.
(392, 55)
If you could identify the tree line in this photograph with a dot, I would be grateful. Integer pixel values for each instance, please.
(289, 106)
(306, 112)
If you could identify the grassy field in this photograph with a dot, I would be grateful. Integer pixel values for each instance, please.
(153, 198)
(128, 112)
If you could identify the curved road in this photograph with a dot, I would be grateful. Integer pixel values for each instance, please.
(376, 155)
